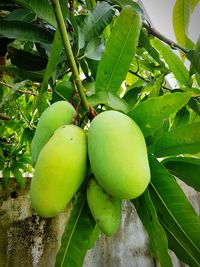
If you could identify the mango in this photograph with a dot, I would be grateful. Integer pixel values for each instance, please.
(58, 114)
(105, 209)
(118, 155)
(59, 171)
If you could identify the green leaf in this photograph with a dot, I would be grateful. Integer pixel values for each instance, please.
(18, 175)
(22, 14)
(6, 176)
(194, 56)
(182, 140)
(53, 60)
(25, 31)
(108, 99)
(63, 90)
(149, 115)
(185, 168)
(119, 51)
(122, 3)
(131, 97)
(182, 117)
(194, 105)
(194, 4)
(94, 49)
(157, 237)
(35, 76)
(25, 60)
(10, 94)
(76, 236)
(174, 62)
(97, 20)
(181, 17)
(144, 40)
(175, 213)
(42, 9)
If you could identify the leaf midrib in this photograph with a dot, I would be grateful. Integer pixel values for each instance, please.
(185, 234)
(72, 232)
(121, 52)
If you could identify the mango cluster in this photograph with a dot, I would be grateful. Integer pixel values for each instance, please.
(117, 155)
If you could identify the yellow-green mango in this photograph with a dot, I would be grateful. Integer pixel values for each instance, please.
(105, 209)
(59, 171)
(58, 114)
(118, 155)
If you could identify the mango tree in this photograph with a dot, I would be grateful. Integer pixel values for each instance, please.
(91, 58)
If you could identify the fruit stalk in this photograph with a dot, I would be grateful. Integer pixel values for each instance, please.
(70, 56)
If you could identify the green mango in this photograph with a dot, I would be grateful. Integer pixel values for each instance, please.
(118, 155)
(58, 114)
(59, 171)
(105, 209)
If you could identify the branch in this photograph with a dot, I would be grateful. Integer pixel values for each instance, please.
(70, 57)
(163, 38)
(5, 117)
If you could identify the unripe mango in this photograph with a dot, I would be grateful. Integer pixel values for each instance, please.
(105, 209)
(118, 155)
(59, 171)
(58, 114)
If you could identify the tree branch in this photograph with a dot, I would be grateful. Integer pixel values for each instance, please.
(70, 57)
(163, 38)
(5, 117)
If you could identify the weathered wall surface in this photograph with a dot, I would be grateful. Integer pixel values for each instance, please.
(29, 241)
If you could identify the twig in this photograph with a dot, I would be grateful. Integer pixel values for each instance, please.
(136, 74)
(5, 117)
(163, 38)
(71, 6)
(70, 56)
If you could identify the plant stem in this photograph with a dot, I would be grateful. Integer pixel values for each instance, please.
(70, 56)
(163, 38)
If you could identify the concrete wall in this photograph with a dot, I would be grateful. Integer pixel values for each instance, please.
(29, 241)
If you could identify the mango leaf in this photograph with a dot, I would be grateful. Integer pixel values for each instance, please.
(119, 51)
(97, 20)
(194, 4)
(25, 31)
(145, 42)
(5, 177)
(10, 94)
(175, 213)
(55, 52)
(41, 8)
(149, 115)
(18, 175)
(182, 140)
(35, 76)
(22, 14)
(174, 62)
(108, 99)
(194, 56)
(131, 97)
(76, 236)
(185, 168)
(94, 49)
(182, 117)
(181, 16)
(157, 237)
(194, 105)
(53, 60)
(134, 5)
(20, 58)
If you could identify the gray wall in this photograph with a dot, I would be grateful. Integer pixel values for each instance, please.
(29, 241)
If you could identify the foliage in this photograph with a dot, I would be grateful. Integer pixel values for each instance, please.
(122, 67)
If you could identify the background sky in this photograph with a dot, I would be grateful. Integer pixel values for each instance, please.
(160, 13)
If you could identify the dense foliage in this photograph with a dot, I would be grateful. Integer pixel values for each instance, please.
(123, 64)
